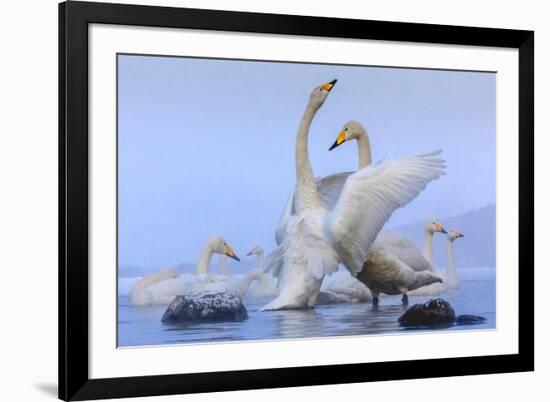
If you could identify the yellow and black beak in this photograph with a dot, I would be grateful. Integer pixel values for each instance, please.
(229, 252)
(328, 86)
(439, 228)
(339, 140)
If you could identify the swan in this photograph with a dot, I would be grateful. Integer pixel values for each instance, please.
(317, 239)
(399, 245)
(341, 287)
(396, 265)
(388, 267)
(330, 187)
(267, 284)
(163, 292)
(140, 295)
(449, 277)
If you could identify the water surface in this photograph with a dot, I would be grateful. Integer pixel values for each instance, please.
(141, 325)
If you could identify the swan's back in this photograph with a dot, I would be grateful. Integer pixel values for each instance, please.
(330, 187)
(328, 190)
(403, 248)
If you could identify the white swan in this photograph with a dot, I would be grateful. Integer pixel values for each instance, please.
(316, 240)
(396, 265)
(341, 287)
(406, 249)
(450, 276)
(266, 286)
(140, 295)
(194, 284)
(399, 245)
(388, 247)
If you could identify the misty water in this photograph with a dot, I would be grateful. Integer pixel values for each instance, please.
(142, 325)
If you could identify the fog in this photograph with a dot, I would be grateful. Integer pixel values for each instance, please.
(206, 147)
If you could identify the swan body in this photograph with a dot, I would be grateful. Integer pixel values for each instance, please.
(403, 248)
(140, 295)
(396, 265)
(317, 239)
(163, 291)
(385, 273)
(341, 287)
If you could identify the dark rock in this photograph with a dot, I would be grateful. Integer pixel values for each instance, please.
(469, 319)
(210, 307)
(434, 312)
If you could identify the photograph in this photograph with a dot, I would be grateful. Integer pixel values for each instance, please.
(265, 200)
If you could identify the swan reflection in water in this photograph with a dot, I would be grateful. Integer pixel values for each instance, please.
(140, 326)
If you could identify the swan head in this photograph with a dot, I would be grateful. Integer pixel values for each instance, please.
(256, 250)
(219, 246)
(454, 234)
(320, 93)
(167, 273)
(433, 226)
(352, 130)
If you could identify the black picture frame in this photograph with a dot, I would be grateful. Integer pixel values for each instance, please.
(74, 18)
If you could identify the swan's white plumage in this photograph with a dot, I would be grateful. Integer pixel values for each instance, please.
(140, 295)
(328, 189)
(193, 285)
(385, 273)
(315, 240)
(306, 258)
(403, 248)
(368, 199)
(162, 287)
(341, 287)
(450, 277)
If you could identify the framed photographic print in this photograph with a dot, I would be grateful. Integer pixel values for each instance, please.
(257, 200)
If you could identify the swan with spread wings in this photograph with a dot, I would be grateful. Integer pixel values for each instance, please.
(316, 239)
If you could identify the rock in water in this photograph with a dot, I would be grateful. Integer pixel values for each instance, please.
(210, 307)
(432, 313)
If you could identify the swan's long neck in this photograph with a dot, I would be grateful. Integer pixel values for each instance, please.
(261, 260)
(428, 247)
(147, 281)
(204, 260)
(452, 276)
(450, 257)
(306, 189)
(364, 150)
(247, 280)
(223, 264)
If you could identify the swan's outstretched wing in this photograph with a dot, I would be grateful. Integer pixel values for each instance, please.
(274, 263)
(369, 198)
(403, 248)
(288, 211)
(330, 187)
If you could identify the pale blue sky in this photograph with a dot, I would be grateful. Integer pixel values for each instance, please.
(207, 146)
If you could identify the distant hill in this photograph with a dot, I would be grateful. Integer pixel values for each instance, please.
(476, 249)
